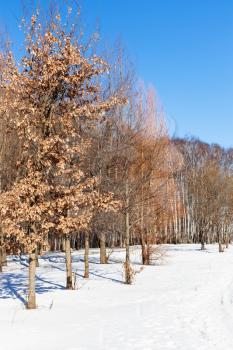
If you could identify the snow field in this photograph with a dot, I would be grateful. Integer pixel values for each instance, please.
(183, 303)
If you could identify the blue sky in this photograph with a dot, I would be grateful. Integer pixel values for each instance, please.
(182, 47)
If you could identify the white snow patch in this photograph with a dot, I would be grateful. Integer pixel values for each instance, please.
(185, 303)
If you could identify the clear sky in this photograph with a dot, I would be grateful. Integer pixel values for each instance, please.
(182, 47)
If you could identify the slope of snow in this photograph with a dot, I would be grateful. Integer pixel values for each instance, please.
(184, 303)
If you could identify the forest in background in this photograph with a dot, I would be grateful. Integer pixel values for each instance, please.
(86, 159)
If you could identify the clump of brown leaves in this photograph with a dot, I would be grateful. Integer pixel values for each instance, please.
(51, 100)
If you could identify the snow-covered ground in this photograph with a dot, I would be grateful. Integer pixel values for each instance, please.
(184, 303)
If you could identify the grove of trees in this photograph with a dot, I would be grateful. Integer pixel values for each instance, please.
(86, 159)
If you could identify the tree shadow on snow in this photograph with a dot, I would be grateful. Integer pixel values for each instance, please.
(99, 274)
(104, 276)
(188, 249)
(14, 285)
(57, 259)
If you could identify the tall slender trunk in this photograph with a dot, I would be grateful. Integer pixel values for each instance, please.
(37, 260)
(69, 278)
(190, 239)
(148, 248)
(165, 232)
(3, 250)
(1, 259)
(4, 260)
(227, 240)
(128, 272)
(143, 245)
(121, 241)
(202, 239)
(32, 281)
(103, 256)
(63, 245)
(46, 246)
(86, 256)
(220, 246)
(143, 248)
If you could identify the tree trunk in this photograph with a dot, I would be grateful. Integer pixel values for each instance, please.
(121, 240)
(32, 282)
(227, 241)
(69, 279)
(4, 260)
(143, 247)
(220, 247)
(202, 241)
(86, 256)
(63, 245)
(103, 257)
(37, 260)
(128, 271)
(1, 259)
(148, 248)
